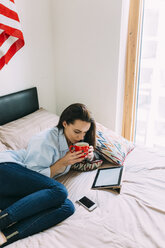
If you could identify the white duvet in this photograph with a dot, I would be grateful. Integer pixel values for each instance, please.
(133, 219)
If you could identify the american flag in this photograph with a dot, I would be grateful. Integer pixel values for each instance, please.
(11, 36)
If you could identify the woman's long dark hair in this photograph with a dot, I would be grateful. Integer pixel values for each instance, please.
(79, 111)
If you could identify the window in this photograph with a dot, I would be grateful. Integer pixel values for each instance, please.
(150, 117)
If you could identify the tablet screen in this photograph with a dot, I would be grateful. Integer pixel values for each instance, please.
(108, 177)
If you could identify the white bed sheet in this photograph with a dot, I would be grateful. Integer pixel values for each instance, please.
(133, 219)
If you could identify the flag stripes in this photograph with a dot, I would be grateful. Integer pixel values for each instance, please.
(3, 37)
(8, 12)
(11, 36)
(9, 4)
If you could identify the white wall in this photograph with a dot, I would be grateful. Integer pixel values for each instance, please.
(33, 64)
(87, 48)
(74, 52)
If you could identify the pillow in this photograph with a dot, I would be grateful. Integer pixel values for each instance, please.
(111, 146)
(87, 166)
(16, 134)
(2, 147)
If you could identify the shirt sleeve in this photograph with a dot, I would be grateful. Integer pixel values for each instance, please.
(45, 172)
(41, 154)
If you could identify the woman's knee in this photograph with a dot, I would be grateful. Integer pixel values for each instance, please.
(69, 207)
(60, 191)
(63, 191)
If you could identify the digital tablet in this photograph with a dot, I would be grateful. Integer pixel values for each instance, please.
(108, 178)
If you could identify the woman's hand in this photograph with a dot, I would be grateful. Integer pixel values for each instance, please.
(69, 159)
(72, 158)
(90, 153)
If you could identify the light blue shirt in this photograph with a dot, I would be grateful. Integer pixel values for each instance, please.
(43, 150)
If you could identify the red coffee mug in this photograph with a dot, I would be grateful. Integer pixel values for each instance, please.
(80, 146)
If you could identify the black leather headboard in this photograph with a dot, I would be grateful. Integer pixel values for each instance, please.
(17, 105)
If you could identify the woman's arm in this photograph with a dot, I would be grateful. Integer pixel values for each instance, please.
(57, 168)
(69, 159)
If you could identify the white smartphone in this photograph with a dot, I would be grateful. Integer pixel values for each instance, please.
(87, 203)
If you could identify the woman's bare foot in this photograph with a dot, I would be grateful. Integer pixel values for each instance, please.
(2, 238)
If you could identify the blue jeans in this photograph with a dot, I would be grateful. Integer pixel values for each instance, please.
(31, 202)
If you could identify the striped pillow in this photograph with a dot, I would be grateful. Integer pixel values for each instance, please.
(111, 146)
(16, 134)
(2, 147)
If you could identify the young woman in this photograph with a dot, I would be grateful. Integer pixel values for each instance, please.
(30, 199)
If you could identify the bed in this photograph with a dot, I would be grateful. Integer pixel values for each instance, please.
(132, 219)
